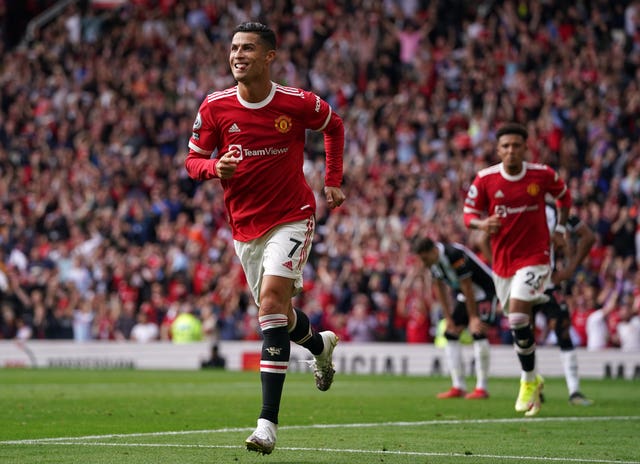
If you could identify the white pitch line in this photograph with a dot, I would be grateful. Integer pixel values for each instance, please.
(81, 441)
(347, 451)
(328, 426)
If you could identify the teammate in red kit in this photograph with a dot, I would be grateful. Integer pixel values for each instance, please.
(256, 134)
(507, 201)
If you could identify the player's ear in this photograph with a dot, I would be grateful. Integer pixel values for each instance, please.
(270, 56)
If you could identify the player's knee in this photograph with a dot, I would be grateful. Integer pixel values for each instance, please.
(522, 334)
(518, 320)
(271, 303)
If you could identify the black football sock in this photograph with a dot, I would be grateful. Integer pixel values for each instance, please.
(274, 362)
(303, 335)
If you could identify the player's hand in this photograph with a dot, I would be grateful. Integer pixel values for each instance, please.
(491, 225)
(227, 164)
(476, 326)
(452, 328)
(335, 196)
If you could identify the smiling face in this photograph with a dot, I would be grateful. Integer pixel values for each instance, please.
(250, 58)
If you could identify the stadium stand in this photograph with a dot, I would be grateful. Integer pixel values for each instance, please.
(96, 109)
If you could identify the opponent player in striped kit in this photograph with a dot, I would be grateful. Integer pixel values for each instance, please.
(256, 134)
(464, 287)
(507, 201)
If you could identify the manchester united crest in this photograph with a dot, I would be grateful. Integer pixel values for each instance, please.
(283, 124)
(533, 189)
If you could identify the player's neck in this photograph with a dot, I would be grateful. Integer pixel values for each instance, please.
(255, 92)
(513, 170)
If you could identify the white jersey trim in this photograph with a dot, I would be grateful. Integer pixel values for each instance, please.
(326, 121)
(490, 170)
(469, 210)
(221, 94)
(515, 178)
(561, 194)
(289, 90)
(258, 105)
(197, 149)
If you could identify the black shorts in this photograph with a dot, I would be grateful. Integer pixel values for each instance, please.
(486, 311)
(552, 309)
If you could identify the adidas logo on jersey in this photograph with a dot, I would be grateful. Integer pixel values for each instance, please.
(499, 194)
(288, 265)
(234, 128)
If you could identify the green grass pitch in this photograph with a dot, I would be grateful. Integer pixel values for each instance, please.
(129, 416)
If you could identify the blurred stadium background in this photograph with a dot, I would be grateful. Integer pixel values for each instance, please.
(101, 230)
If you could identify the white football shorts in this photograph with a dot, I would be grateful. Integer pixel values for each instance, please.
(283, 251)
(527, 284)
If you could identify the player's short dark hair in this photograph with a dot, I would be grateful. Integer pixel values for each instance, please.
(512, 128)
(264, 32)
(423, 245)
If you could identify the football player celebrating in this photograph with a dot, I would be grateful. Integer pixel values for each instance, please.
(256, 134)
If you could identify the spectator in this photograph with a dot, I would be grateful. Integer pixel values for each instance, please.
(24, 331)
(582, 305)
(60, 325)
(167, 320)
(413, 307)
(628, 328)
(210, 325)
(362, 324)
(9, 327)
(125, 321)
(104, 321)
(598, 334)
(186, 328)
(83, 317)
(145, 329)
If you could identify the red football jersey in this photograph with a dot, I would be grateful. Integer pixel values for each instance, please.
(269, 186)
(519, 201)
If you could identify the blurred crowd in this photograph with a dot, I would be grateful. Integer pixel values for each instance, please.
(102, 232)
